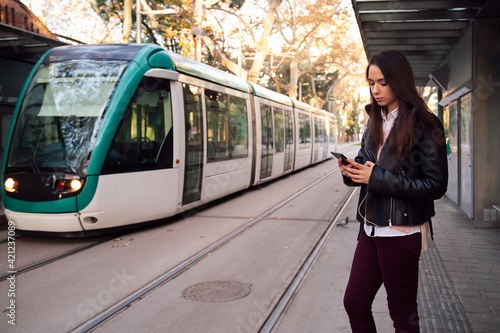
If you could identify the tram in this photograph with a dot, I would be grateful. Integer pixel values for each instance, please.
(110, 136)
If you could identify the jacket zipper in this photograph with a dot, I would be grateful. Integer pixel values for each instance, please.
(390, 215)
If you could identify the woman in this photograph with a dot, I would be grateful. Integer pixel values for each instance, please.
(401, 168)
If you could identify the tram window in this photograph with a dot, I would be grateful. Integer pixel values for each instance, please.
(61, 114)
(145, 138)
(320, 130)
(227, 126)
(288, 128)
(333, 133)
(193, 167)
(278, 130)
(218, 125)
(238, 118)
(266, 157)
(288, 120)
(304, 131)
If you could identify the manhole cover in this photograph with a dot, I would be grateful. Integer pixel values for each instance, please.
(217, 291)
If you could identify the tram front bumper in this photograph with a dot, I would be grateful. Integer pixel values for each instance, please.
(67, 222)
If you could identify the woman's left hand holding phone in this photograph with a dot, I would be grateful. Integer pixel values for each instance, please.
(359, 173)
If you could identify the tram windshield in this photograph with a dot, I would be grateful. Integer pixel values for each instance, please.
(61, 114)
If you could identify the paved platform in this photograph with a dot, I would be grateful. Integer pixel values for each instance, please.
(459, 287)
(471, 261)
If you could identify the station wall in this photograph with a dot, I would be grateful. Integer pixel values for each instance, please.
(472, 120)
(486, 122)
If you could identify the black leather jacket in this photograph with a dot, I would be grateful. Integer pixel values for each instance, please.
(401, 191)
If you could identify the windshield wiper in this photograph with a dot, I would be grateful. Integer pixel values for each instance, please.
(33, 165)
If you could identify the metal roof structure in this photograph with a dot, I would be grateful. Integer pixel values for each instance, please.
(426, 31)
(23, 45)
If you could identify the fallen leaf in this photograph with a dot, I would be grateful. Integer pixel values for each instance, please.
(117, 239)
(127, 244)
(115, 245)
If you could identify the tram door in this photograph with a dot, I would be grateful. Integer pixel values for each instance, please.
(288, 141)
(266, 156)
(193, 169)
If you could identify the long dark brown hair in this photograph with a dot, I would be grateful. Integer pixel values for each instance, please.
(398, 74)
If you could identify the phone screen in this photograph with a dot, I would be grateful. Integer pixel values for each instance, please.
(340, 155)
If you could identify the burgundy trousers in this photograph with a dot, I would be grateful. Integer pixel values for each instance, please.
(392, 261)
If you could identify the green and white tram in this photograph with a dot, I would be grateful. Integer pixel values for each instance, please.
(109, 136)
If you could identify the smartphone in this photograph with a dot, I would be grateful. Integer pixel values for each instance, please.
(339, 155)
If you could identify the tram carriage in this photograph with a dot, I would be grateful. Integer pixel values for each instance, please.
(109, 136)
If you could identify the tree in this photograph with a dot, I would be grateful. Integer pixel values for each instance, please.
(127, 21)
(317, 35)
(262, 46)
(76, 20)
(286, 43)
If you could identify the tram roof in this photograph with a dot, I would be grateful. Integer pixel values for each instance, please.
(270, 95)
(302, 105)
(197, 69)
(306, 107)
(97, 51)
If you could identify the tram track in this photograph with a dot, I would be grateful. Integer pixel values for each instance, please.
(287, 296)
(100, 319)
(53, 259)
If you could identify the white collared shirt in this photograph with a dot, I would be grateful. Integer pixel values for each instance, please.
(389, 121)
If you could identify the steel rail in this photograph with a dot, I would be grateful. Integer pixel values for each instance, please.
(56, 258)
(104, 316)
(279, 308)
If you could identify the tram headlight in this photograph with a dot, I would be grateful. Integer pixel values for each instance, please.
(67, 185)
(10, 185)
(76, 184)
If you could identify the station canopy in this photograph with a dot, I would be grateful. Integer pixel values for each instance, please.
(426, 31)
(23, 45)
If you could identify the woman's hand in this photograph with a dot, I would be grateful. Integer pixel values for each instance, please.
(343, 168)
(359, 173)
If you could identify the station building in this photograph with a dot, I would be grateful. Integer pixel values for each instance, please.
(454, 45)
(23, 40)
